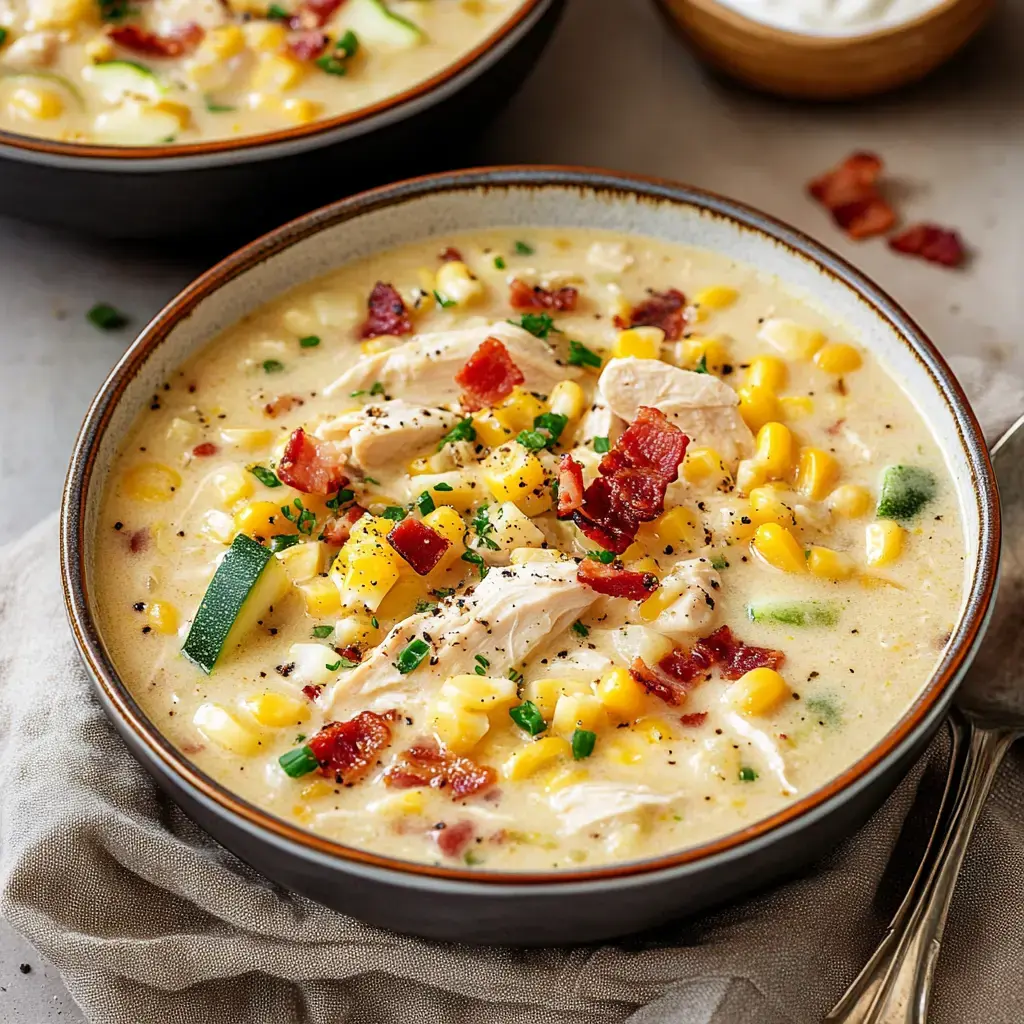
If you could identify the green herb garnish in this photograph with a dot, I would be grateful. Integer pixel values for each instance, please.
(442, 486)
(474, 559)
(339, 499)
(482, 526)
(106, 317)
(443, 301)
(553, 422)
(747, 774)
(540, 325)
(298, 762)
(275, 12)
(462, 431)
(719, 562)
(424, 606)
(371, 480)
(499, 263)
(443, 592)
(604, 557)
(218, 108)
(273, 365)
(265, 476)
(322, 632)
(583, 741)
(377, 388)
(482, 665)
(534, 440)
(412, 654)
(522, 249)
(578, 627)
(395, 513)
(528, 717)
(425, 504)
(602, 445)
(283, 540)
(702, 364)
(336, 62)
(310, 341)
(580, 355)
(375, 622)
(302, 517)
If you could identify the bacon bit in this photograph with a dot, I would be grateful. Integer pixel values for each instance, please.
(184, 39)
(833, 428)
(449, 254)
(138, 541)
(314, 14)
(430, 765)
(634, 477)
(307, 44)
(202, 451)
(387, 313)
(615, 580)
(850, 193)
(310, 465)
(734, 656)
(312, 690)
(570, 486)
(662, 309)
(489, 376)
(522, 296)
(418, 544)
(694, 719)
(931, 242)
(346, 750)
(659, 683)
(338, 528)
(350, 652)
(453, 839)
(281, 404)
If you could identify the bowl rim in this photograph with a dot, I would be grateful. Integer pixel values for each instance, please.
(266, 144)
(595, 183)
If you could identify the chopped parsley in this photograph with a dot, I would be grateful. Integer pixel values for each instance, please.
(583, 741)
(298, 762)
(267, 477)
(218, 108)
(342, 662)
(579, 628)
(482, 526)
(275, 12)
(310, 341)
(580, 355)
(322, 632)
(522, 249)
(602, 445)
(474, 559)
(412, 654)
(425, 504)
(284, 540)
(534, 440)
(395, 513)
(336, 61)
(528, 717)
(462, 431)
(719, 562)
(113, 10)
(370, 480)
(540, 325)
(442, 486)
(339, 499)
(553, 422)
(499, 263)
(443, 301)
(702, 364)
(272, 365)
(443, 592)
(605, 557)
(377, 388)
(106, 317)
(424, 606)
(747, 774)
(302, 517)
(3, 36)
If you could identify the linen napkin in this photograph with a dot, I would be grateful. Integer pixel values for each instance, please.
(151, 922)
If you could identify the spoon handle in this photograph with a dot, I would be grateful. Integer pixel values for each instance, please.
(895, 985)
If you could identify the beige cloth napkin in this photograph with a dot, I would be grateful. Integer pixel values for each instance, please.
(151, 922)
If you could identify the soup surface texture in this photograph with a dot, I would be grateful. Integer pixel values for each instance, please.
(118, 73)
(529, 550)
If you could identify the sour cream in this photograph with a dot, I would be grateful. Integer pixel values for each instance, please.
(832, 17)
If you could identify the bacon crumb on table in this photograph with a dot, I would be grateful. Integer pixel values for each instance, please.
(311, 465)
(931, 242)
(850, 193)
(489, 376)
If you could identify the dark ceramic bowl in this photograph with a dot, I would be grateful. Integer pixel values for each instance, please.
(552, 907)
(235, 188)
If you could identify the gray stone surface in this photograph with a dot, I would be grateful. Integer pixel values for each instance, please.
(613, 90)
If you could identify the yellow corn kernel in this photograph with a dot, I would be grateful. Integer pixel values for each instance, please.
(795, 407)
(219, 726)
(621, 694)
(625, 748)
(519, 410)
(99, 49)
(261, 519)
(705, 466)
(712, 351)
(758, 691)
(829, 564)
(679, 529)
(276, 72)
(265, 36)
(567, 399)
(456, 728)
(372, 567)
(490, 430)
(639, 342)
(749, 474)
(561, 778)
(512, 473)
(850, 501)
(837, 357)
(447, 522)
(546, 692)
(458, 284)
(316, 790)
(275, 710)
(775, 449)
(224, 41)
(176, 110)
(479, 693)
(775, 545)
(410, 802)
(767, 372)
(321, 597)
(883, 542)
(523, 556)
(534, 756)
(654, 729)
(578, 711)
(373, 346)
(793, 340)
(718, 296)
(758, 405)
(151, 481)
(300, 110)
(162, 617)
(816, 473)
(767, 507)
(247, 439)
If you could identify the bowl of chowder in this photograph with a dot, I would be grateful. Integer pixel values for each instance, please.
(506, 537)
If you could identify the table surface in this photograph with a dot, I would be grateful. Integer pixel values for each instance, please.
(613, 90)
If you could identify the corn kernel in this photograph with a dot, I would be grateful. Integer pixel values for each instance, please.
(265, 36)
(245, 438)
(705, 466)
(162, 616)
(373, 346)
(546, 692)
(566, 399)
(775, 449)
(563, 777)
(512, 473)
(479, 693)
(679, 529)
(519, 410)
(639, 342)
(767, 372)
(850, 501)
(490, 430)
(275, 710)
(321, 597)
(793, 340)
(410, 802)
(301, 111)
(816, 473)
(151, 481)
(99, 49)
(276, 72)
(837, 357)
(261, 519)
(829, 564)
(767, 507)
(711, 351)
(718, 296)
(758, 691)
(621, 694)
(654, 729)
(456, 728)
(578, 711)
(883, 542)
(534, 756)
(457, 283)
(749, 474)
(758, 405)
(449, 524)
(219, 726)
(224, 41)
(316, 790)
(775, 545)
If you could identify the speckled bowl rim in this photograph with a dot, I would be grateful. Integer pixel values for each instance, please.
(266, 145)
(923, 715)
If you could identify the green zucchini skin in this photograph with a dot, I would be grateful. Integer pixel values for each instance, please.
(904, 492)
(374, 22)
(795, 613)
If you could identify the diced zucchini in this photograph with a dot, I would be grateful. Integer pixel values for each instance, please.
(905, 491)
(795, 613)
(117, 79)
(376, 25)
(246, 584)
(136, 124)
(45, 76)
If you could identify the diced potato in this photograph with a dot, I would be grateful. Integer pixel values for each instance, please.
(303, 561)
(513, 529)
(447, 522)
(639, 342)
(538, 754)
(816, 472)
(151, 481)
(512, 473)
(479, 693)
(162, 617)
(578, 711)
(793, 340)
(457, 728)
(265, 36)
(233, 484)
(300, 110)
(355, 630)
(262, 519)
(462, 493)
(310, 661)
(404, 802)
(224, 41)
(522, 556)
(775, 545)
(372, 566)
(621, 694)
(218, 526)
(276, 72)
(219, 726)
(457, 283)
(757, 692)
(322, 597)
(60, 14)
(182, 432)
(545, 692)
(275, 710)
(247, 439)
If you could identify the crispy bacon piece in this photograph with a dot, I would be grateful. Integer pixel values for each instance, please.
(850, 193)
(489, 376)
(694, 719)
(346, 750)
(387, 313)
(307, 44)
(662, 309)
(204, 450)
(314, 14)
(310, 465)
(657, 682)
(430, 765)
(931, 242)
(449, 254)
(570, 486)
(733, 656)
(453, 839)
(184, 39)
(337, 529)
(312, 690)
(283, 403)
(418, 544)
(634, 476)
(523, 296)
(614, 580)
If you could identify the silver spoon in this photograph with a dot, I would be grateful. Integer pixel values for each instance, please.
(895, 985)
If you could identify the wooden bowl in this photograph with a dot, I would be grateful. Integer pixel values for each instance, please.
(825, 67)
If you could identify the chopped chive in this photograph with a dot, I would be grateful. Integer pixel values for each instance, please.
(580, 355)
(578, 627)
(516, 677)
(284, 540)
(482, 660)
(605, 557)
(528, 717)
(444, 592)
(443, 301)
(412, 654)
(3, 36)
(540, 325)
(356, 394)
(265, 476)
(702, 364)
(377, 389)
(462, 431)
(339, 499)
(602, 445)
(273, 365)
(395, 513)
(375, 622)
(371, 480)
(106, 317)
(310, 341)
(334, 666)
(298, 762)
(522, 249)
(322, 632)
(335, 62)
(747, 775)
(473, 858)
(583, 741)
(442, 486)
(218, 108)
(425, 504)
(499, 263)
(348, 44)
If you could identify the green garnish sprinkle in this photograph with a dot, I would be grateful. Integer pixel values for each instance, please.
(499, 263)
(482, 526)
(578, 627)
(462, 431)
(284, 540)
(302, 517)
(602, 445)
(540, 325)
(747, 774)
(425, 504)
(580, 355)
(106, 317)
(482, 665)
(275, 12)
(310, 341)
(375, 622)
(522, 249)
(583, 741)
(719, 562)
(528, 717)
(474, 559)
(298, 762)
(395, 513)
(339, 499)
(605, 557)
(218, 108)
(443, 301)
(322, 632)
(336, 62)
(267, 477)
(273, 365)
(377, 389)
(442, 486)
(412, 654)
(532, 439)
(702, 364)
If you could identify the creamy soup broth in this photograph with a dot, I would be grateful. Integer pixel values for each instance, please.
(771, 530)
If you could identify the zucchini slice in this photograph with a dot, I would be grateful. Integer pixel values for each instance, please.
(375, 24)
(905, 491)
(795, 613)
(116, 79)
(247, 582)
